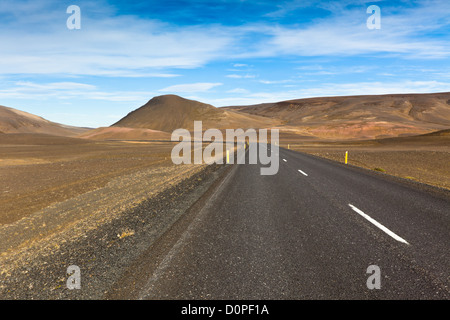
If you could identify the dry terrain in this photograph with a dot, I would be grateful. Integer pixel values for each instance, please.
(121, 133)
(73, 201)
(99, 197)
(423, 158)
(74, 178)
(37, 175)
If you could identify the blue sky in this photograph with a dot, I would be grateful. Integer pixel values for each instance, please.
(225, 52)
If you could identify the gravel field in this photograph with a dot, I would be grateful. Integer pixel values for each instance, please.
(103, 244)
(97, 205)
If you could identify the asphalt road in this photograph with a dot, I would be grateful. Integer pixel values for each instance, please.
(309, 232)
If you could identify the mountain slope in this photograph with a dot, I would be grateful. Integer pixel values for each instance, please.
(16, 121)
(170, 112)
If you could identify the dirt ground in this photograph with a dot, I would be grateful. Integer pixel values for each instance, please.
(56, 193)
(103, 232)
(36, 176)
(51, 184)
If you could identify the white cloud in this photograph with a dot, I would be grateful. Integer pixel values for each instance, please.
(373, 88)
(344, 89)
(405, 32)
(334, 6)
(35, 40)
(191, 87)
(239, 76)
(129, 46)
(274, 81)
(55, 86)
(61, 91)
(358, 88)
(238, 90)
(342, 40)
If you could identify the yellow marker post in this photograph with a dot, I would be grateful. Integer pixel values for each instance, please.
(346, 157)
(228, 156)
(288, 146)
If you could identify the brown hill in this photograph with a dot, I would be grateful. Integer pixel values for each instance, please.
(439, 138)
(358, 117)
(440, 133)
(170, 112)
(16, 121)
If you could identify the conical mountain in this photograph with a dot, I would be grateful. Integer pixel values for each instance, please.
(170, 112)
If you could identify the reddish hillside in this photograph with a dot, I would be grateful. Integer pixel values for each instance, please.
(359, 116)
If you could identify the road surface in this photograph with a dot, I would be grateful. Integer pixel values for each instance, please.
(309, 232)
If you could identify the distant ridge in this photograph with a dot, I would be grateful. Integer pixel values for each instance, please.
(359, 117)
(330, 118)
(16, 121)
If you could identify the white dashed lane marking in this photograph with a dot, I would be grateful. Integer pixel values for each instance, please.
(379, 225)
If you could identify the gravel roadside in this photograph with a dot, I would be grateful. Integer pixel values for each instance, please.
(104, 233)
